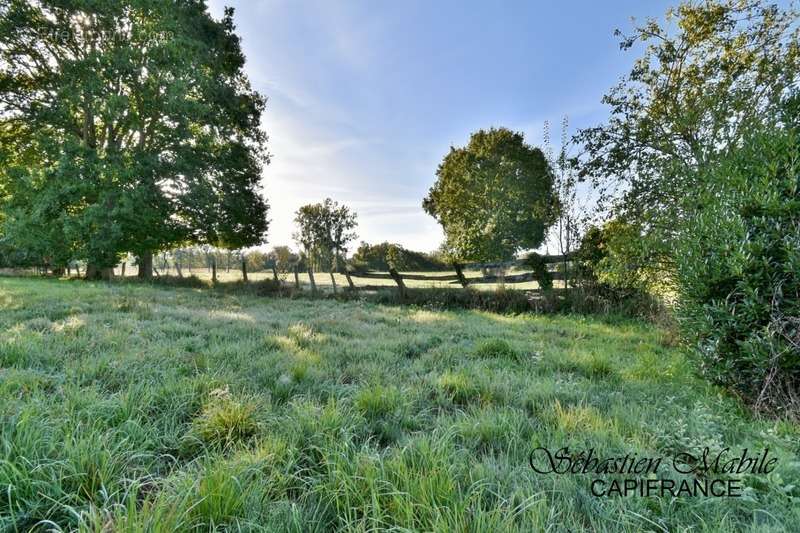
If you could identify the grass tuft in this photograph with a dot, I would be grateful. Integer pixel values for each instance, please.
(496, 349)
(225, 421)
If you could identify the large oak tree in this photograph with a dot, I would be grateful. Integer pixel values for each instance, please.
(126, 126)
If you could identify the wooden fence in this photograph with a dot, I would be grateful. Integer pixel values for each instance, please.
(488, 270)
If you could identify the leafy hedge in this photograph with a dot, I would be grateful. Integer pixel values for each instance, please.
(739, 272)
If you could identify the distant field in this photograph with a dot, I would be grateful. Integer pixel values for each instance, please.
(139, 408)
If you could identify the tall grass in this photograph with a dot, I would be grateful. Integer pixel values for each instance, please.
(144, 408)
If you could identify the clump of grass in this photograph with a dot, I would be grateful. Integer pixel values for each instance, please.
(378, 401)
(461, 388)
(573, 418)
(596, 366)
(303, 335)
(416, 347)
(225, 421)
(382, 406)
(40, 324)
(495, 429)
(496, 349)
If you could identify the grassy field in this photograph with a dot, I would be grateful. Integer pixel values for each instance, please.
(138, 408)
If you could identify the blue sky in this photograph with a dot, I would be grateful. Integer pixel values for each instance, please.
(365, 98)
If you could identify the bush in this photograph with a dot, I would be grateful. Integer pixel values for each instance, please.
(614, 274)
(537, 264)
(739, 272)
(384, 255)
(620, 256)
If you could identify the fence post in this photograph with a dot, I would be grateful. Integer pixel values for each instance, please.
(275, 272)
(311, 279)
(333, 282)
(244, 269)
(399, 280)
(460, 274)
(296, 278)
(349, 279)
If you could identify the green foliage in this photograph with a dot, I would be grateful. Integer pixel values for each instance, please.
(127, 126)
(383, 255)
(283, 258)
(704, 78)
(493, 197)
(617, 254)
(739, 271)
(323, 231)
(539, 267)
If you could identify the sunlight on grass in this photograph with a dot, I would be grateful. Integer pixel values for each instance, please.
(148, 408)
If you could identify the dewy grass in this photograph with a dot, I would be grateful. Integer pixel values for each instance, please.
(140, 408)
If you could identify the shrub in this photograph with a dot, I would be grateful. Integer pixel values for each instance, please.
(537, 264)
(618, 256)
(616, 273)
(739, 271)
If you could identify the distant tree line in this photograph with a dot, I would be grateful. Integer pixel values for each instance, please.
(384, 255)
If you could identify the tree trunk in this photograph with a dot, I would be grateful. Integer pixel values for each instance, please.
(146, 265)
(274, 272)
(399, 280)
(178, 268)
(460, 274)
(213, 269)
(244, 269)
(69, 270)
(296, 278)
(122, 270)
(93, 272)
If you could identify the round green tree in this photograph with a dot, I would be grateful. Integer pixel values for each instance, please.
(493, 197)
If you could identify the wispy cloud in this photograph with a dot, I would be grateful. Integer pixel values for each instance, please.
(365, 98)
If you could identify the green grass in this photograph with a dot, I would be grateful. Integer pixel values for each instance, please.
(139, 408)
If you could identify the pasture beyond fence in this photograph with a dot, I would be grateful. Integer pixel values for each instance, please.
(491, 273)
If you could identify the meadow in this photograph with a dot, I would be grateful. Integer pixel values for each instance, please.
(128, 407)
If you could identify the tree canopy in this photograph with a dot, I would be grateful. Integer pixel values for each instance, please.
(126, 126)
(384, 255)
(493, 197)
(323, 231)
(705, 78)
